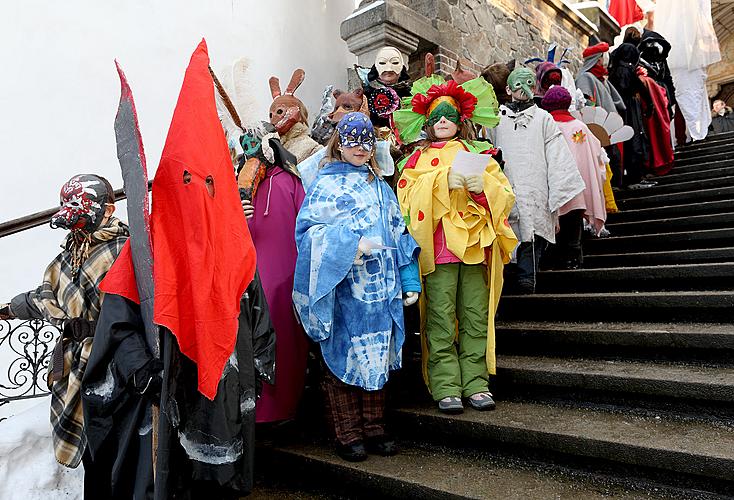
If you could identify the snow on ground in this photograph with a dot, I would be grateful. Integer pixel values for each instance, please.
(28, 469)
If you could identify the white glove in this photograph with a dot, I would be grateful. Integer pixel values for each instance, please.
(456, 181)
(248, 208)
(363, 248)
(410, 298)
(475, 183)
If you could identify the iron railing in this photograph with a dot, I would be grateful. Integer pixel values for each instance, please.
(27, 345)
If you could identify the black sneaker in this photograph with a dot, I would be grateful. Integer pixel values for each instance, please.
(484, 403)
(354, 452)
(382, 445)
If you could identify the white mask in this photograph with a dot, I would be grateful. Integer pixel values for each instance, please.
(389, 59)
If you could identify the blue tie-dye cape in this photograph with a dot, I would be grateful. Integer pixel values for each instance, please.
(354, 312)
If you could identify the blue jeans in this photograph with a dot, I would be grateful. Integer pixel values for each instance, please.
(528, 257)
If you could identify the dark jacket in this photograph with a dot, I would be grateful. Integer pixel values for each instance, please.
(654, 50)
(202, 444)
(722, 123)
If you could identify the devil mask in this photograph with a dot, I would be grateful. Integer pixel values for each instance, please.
(83, 201)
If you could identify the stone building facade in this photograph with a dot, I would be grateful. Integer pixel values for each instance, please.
(478, 32)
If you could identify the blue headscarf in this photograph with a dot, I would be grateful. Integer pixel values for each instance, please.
(355, 129)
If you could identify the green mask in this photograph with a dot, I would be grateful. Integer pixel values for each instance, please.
(522, 78)
(444, 109)
(251, 144)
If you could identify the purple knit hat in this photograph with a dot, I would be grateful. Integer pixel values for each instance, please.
(556, 98)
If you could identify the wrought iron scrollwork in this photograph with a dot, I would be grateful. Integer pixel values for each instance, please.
(25, 353)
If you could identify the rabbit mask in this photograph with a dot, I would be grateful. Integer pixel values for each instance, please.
(286, 109)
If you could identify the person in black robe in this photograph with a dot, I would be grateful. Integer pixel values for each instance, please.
(623, 64)
(204, 447)
(654, 50)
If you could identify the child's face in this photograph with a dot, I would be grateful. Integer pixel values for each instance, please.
(445, 129)
(356, 155)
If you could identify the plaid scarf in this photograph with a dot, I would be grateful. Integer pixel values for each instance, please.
(70, 296)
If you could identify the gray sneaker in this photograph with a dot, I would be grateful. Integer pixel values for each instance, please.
(451, 404)
(482, 401)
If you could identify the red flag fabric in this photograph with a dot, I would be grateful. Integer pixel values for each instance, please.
(625, 11)
(203, 256)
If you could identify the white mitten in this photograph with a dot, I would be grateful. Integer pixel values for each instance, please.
(456, 181)
(410, 298)
(363, 248)
(475, 183)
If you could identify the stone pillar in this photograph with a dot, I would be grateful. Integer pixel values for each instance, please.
(385, 22)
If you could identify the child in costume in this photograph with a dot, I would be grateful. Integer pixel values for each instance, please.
(271, 206)
(589, 204)
(355, 264)
(541, 169)
(69, 298)
(289, 116)
(462, 228)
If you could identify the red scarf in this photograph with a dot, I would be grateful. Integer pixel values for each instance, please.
(599, 71)
(562, 115)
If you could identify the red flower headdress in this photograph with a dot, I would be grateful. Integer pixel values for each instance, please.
(463, 100)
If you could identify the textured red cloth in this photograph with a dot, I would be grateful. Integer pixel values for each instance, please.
(625, 11)
(599, 48)
(202, 251)
(657, 126)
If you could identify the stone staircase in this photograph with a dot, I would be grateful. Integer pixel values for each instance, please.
(615, 380)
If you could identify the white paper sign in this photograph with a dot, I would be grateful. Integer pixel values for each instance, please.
(469, 164)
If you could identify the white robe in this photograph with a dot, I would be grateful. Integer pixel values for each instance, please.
(540, 168)
(694, 46)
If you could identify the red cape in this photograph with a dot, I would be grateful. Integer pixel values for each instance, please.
(657, 126)
(202, 251)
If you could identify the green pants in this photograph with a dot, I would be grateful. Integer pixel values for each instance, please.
(457, 292)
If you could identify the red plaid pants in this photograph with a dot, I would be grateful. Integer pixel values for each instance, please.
(354, 413)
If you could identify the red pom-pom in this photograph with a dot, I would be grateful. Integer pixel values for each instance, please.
(421, 215)
(402, 183)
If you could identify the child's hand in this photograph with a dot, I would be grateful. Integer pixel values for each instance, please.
(5, 312)
(456, 181)
(363, 248)
(475, 183)
(248, 208)
(410, 298)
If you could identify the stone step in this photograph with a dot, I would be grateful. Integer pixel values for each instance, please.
(686, 240)
(718, 140)
(660, 258)
(679, 341)
(679, 198)
(705, 150)
(676, 381)
(700, 208)
(709, 173)
(431, 472)
(711, 137)
(697, 159)
(709, 276)
(673, 224)
(691, 306)
(678, 187)
(698, 167)
(681, 447)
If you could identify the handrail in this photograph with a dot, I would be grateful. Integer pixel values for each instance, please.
(43, 217)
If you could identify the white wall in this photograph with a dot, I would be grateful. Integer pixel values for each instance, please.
(59, 89)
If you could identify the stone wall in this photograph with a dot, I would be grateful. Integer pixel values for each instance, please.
(481, 32)
(722, 73)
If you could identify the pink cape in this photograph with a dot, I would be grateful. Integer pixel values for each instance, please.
(586, 150)
(273, 229)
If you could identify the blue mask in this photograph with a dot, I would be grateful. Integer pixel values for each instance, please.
(355, 129)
